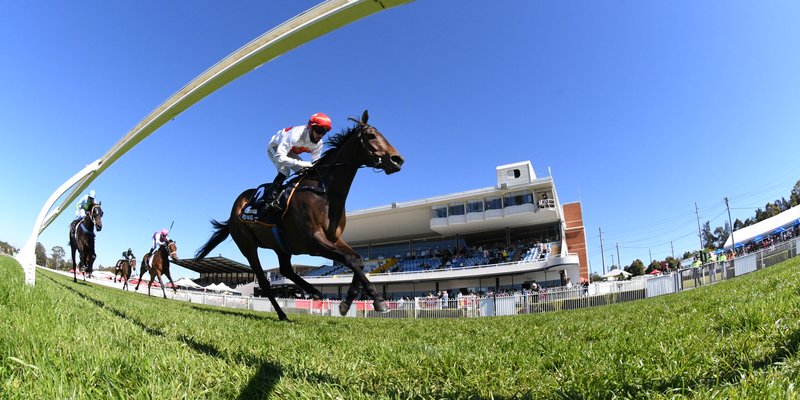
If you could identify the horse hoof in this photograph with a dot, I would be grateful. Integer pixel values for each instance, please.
(344, 307)
(380, 306)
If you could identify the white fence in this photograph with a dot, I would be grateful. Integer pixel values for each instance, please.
(596, 294)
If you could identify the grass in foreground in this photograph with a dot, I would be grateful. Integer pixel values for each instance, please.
(735, 339)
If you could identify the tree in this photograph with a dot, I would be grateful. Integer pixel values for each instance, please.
(673, 263)
(41, 255)
(794, 197)
(58, 257)
(7, 248)
(636, 268)
(654, 266)
(721, 234)
(707, 238)
(687, 254)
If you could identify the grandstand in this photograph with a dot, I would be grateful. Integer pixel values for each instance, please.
(498, 238)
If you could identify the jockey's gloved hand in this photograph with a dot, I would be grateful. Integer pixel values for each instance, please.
(305, 164)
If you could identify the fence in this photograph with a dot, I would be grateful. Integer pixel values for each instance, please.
(470, 306)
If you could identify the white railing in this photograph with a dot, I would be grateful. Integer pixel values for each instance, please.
(596, 294)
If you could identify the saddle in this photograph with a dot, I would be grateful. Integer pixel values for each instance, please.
(273, 216)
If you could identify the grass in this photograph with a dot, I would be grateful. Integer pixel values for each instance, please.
(736, 339)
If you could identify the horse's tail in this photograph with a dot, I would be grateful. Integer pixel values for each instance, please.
(221, 233)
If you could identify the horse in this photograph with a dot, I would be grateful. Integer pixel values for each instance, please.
(159, 264)
(314, 217)
(123, 269)
(82, 240)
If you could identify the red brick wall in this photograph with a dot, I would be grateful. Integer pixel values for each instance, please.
(576, 237)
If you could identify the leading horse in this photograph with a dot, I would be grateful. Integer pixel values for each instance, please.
(81, 238)
(314, 218)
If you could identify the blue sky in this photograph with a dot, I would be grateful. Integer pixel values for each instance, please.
(640, 109)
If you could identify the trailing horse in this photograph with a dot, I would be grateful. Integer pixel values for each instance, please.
(123, 269)
(314, 216)
(158, 264)
(81, 238)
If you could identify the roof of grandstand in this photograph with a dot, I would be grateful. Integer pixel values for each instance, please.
(413, 219)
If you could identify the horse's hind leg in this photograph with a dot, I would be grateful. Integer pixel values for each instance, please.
(285, 261)
(251, 254)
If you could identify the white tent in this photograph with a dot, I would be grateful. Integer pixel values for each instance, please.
(187, 283)
(212, 286)
(616, 273)
(222, 287)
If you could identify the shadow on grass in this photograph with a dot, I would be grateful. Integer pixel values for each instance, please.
(259, 386)
(234, 313)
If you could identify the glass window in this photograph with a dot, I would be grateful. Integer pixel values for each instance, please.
(439, 212)
(456, 209)
(475, 206)
(494, 203)
(518, 198)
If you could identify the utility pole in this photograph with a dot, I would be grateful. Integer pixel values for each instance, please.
(673, 249)
(651, 256)
(699, 231)
(602, 252)
(733, 242)
(619, 259)
(612, 261)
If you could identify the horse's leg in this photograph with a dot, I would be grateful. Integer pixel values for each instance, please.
(285, 261)
(74, 266)
(342, 252)
(141, 272)
(169, 276)
(250, 252)
(161, 282)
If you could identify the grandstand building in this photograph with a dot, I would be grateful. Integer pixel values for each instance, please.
(497, 238)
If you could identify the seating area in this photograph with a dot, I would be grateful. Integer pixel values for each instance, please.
(463, 258)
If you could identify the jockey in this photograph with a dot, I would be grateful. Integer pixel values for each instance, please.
(128, 255)
(284, 150)
(84, 205)
(159, 238)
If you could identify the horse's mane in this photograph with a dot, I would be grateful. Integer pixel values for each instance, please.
(337, 141)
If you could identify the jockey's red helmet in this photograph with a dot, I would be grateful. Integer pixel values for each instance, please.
(164, 232)
(320, 119)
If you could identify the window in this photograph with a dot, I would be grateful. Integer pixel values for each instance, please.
(439, 212)
(456, 209)
(518, 199)
(494, 203)
(475, 206)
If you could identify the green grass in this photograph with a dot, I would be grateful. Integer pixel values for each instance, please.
(736, 339)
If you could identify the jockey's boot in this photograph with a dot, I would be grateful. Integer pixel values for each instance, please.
(272, 199)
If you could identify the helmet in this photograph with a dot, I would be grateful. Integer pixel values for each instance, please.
(129, 250)
(320, 119)
(91, 193)
(164, 232)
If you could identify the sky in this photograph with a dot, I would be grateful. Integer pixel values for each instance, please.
(648, 113)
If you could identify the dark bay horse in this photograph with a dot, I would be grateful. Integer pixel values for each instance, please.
(158, 265)
(123, 269)
(81, 238)
(314, 219)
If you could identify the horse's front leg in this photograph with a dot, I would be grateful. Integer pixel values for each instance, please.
(74, 267)
(342, 252)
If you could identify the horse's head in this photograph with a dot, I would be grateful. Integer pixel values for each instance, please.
(97, 216)
(375, 151)
(172, 249)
